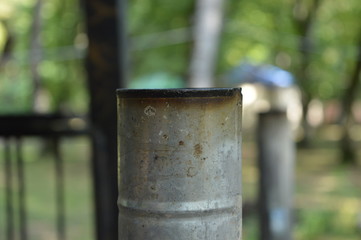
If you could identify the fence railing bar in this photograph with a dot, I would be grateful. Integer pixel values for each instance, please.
(22, 190)
(60, 190)
(8, 191)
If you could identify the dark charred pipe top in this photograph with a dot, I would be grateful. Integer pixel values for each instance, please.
(177, 92)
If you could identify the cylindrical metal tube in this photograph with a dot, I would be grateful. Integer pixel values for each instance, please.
(179, 156)
(276, 163)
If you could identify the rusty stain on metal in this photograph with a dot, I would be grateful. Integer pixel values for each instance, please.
(198, 150)
(179, 164)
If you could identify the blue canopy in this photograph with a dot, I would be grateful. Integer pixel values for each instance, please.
(268, 75)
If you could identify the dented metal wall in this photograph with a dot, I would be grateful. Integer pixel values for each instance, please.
(179, 153)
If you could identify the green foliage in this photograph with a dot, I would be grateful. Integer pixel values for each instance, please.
(14, 91)
(64, 77)
(159, 15)
(314, 223)
(40, 191)
(153, 20)
(62, 41)
(160, 33)
(265, 32)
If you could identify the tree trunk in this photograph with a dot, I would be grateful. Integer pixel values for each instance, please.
(304, 18)
(348, 151)
(207, 31)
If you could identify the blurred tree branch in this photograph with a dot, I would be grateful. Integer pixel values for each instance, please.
(304, 18)
(35, 54)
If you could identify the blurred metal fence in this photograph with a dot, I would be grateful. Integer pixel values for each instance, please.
(13, 129)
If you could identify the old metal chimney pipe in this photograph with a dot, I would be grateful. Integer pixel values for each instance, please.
(179, 160)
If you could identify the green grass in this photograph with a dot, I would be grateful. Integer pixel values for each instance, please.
(40, 188)
(327, 198)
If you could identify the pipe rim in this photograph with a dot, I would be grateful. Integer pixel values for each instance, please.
(177, 92)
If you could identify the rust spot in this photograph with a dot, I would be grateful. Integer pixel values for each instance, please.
(198, 150)
(181, 143)
(153, 188)
(191, 172)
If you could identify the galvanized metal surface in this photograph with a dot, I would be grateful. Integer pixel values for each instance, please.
(179, 164)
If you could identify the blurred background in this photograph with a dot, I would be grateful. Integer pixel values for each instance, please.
(61, 61)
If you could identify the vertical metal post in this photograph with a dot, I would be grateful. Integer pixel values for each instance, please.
(60, 193)
(179, 164)
(276, 164)
(9, 191)
(22, 190)
(105, 68)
